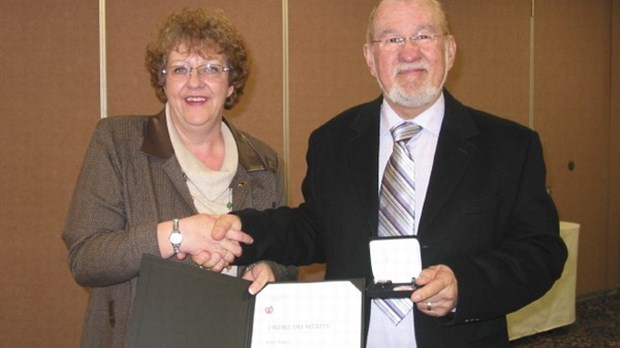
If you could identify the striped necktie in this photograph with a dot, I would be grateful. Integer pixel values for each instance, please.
(396, 205)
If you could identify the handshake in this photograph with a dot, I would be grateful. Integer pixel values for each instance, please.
(213, 242)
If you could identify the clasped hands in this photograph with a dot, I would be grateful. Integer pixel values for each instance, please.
(213, 242)
(437, 295)
(208, 248)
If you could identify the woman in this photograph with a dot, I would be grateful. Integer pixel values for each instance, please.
(148, 182)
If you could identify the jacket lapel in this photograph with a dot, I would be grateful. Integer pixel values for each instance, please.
(157, 144)
(453, 154)
(363, 147)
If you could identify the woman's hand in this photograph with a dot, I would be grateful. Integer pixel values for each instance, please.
(259, 274)
(198, 243)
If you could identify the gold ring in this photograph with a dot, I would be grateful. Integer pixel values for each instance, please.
(429, 306)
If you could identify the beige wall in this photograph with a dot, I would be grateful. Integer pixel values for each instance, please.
(568, 90)
(573, 114)
(48, 106)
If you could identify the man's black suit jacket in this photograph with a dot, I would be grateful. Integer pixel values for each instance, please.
(487, 216)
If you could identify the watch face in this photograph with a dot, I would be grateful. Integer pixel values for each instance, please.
(176, 238)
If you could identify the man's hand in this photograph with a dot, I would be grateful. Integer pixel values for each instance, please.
(226, 229)
(439, 293)
(226, 224)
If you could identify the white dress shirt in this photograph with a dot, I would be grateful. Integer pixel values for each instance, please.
(382, 331)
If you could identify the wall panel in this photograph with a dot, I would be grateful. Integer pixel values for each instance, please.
(492, 65)
(49, 89)
(572, 108)
(613, 229)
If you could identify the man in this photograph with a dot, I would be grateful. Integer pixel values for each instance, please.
(487, 229)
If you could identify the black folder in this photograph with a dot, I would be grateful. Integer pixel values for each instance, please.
(180, 305)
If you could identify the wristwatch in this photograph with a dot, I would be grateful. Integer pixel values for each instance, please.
(175, 237)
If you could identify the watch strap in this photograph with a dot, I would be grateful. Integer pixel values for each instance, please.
(175, 229)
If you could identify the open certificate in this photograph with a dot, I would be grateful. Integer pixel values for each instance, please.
(180, 305)
(308, 314)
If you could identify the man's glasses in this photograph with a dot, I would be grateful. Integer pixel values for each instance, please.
(205, 71)
(395, 42)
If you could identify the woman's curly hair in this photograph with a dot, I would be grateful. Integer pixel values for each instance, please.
(200, 31)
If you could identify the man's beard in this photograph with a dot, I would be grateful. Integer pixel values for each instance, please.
(427, 94)
(400, 96)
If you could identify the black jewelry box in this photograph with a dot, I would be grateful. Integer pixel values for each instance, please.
(387, 289)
